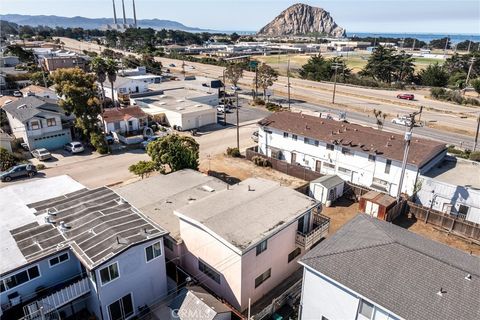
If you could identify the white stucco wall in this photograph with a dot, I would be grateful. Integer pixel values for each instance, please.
(362, 170)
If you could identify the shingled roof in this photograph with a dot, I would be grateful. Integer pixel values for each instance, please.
(26, 108)
(118, 114)
(399, 270)
(365, 139)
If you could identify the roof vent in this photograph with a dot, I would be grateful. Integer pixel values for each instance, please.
(307, 127)
(468, 277)
(208, 189)
(49, 219)
(441, 292)
(121, 201)
(64, 226)
(22, 106)
(168, 201)
(250, 188)
(51, 212)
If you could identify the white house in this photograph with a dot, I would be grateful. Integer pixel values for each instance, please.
(147, 78)
(40, 122)
(361, 155)
(374, 270)
(453, 186)
(179, 109)
(66, 249)
(38, 91)
(124, 86)
(124, 120)
(244, 240)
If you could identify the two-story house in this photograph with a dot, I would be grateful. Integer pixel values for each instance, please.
(40, 122)
(70, 250)
(361, 155)
(124, 86)
(374, 270)
(243, 241)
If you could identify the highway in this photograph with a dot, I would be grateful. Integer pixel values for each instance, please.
(446, 122)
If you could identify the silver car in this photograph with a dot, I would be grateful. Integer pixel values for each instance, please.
(41, 154)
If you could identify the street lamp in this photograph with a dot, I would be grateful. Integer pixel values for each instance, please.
(335, 66)
(238, 126)
(224, 100)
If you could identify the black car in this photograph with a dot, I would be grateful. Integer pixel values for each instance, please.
(22, 170)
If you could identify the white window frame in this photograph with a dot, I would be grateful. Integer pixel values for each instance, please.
(38, 124)
(111, 280)
(153, 251)
(119, 299)
(17, 272)
(54, 122)
(59, 262)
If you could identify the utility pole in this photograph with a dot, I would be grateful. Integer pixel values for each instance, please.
(224, 100)
(446, 46)
(469, 44)
(408, 138)
(238, 124)
(472, 61)
(476, 133)
(414, 41)
(335, 66)
(288, 82)
(256, 81)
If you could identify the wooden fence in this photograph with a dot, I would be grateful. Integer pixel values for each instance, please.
(287, 168)
(449, 222)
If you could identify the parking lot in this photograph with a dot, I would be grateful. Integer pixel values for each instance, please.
(246, 113)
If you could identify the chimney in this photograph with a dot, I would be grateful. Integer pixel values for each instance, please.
(114, 13)
(124, 17)
(134, 14)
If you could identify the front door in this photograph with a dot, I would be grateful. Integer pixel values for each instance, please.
(294, 158)
(318, 166)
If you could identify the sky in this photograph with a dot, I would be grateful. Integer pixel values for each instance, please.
(394, 16)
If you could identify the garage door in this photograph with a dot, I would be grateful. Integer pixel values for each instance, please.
(51, 141)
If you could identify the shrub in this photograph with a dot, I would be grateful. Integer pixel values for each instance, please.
(142, 168)
(41, 166)
(475, 156)
(273, 107)
(261, 162)
(7, 159)
(98, 142)
(233, 152)
(258, 102)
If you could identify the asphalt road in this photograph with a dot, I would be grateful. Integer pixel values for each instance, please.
(454, 124)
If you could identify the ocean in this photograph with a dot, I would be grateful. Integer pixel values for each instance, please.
(427, 37)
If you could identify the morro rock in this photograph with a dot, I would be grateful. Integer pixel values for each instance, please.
(302, 19)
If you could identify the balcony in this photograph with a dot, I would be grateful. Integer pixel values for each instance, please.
(319, 230)
(47, 305)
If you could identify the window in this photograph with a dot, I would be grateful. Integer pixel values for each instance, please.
(347, 151)
(153, 251)
(262, 246)
(311, 141)
(330, 147)
(365, 310)
(306, 140)
(51, 122)
(35, 125)
(209, 271)
(168, 243)
(295, 253)
(294, 137)
(285, 134)
(58, 259)
(316, 143)
(387, 166)
(463, 209)
(109, 273)
(344, 170)
(261, 278)
(329, 165)
(19, 278)
(122, 308)
(371, 157)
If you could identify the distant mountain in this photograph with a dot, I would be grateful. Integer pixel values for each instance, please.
(87, 23)
(302, 19)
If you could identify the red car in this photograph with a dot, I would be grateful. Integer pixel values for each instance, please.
(406, 96)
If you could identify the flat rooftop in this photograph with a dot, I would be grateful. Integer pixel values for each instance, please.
(248, 212)
(95, 225)
(157, 197)
(456, 171)
(14, 212)
(179, 100)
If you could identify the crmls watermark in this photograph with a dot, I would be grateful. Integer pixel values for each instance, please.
(189, 314)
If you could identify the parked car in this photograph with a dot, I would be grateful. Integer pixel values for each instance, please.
(235, 88)
(41, 154)
(74, 147)
(150, 139)
(404, 121)
(23, 170)
(17, 93)
(171, 65)
(406, 96)
(255, 136)
(109, 139)
(221, 108)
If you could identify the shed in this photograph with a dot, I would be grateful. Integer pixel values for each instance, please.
(327, 189)
(376, 204)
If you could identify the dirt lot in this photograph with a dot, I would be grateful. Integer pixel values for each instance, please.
(344, 210)
(237, 169)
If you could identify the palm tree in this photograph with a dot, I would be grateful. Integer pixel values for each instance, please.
(111, 69)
